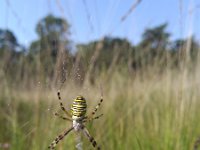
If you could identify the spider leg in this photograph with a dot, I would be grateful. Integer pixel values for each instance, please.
(96, 108)
(97, 117)
(59, 138)
(86, 119)
(90, 138)
(61, 104)
(196, 144)
(64, 118)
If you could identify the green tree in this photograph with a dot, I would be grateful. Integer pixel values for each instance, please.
(52, 45)
(153, 46)
(103, 56)
(156, 38)
(186, 49)
(11, 54)
(7, 40)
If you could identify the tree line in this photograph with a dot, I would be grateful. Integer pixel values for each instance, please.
(52, 57)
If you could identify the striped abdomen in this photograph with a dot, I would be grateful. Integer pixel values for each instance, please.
(78, 108)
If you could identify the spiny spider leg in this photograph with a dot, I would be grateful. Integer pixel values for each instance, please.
(97, 117)
(90, 138)
(64, 118)
(96, 108)
(59, 138)
(197, 143)
(86, 119)
(61, 104)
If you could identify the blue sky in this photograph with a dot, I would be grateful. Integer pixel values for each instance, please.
(96, 18)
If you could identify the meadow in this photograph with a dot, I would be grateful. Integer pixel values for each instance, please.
(150, 88)
(151, 111)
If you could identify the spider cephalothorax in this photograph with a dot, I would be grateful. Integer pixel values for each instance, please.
(78, 117)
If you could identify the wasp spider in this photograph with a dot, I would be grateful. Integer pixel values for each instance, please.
(78, 118)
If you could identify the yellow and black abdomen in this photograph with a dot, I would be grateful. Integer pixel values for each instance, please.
(79, 107)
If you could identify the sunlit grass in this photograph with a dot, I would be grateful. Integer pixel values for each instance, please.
(155, 112)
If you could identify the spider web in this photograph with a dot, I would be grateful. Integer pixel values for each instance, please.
(103, 27)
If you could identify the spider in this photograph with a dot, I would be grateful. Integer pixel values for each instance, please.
(78, 118)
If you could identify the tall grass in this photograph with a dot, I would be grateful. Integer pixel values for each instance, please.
(150, 111)
(151, 105)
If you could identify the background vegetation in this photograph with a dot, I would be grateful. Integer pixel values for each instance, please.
(151, 89)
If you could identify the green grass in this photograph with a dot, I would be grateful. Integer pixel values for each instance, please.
(154, 113)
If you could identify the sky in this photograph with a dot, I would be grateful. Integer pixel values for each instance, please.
(94, 19)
